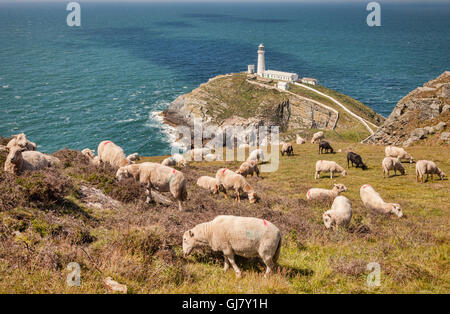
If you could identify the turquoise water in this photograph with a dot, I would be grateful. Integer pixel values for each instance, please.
(108, 79)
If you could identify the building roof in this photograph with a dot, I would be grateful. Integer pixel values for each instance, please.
(309, 79)
(279, 72)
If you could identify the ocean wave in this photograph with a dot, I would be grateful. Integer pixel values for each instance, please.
(156, 120)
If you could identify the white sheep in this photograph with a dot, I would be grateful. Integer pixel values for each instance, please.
(22, 141)
(158, 177)
(397, 152)
(232, 235)
(89, 153)
(229, 180)
(328, 166)
(208, 183)
(196, 154)
(181, 162)
(19, 159)
(340, 213)
(317, 137)
(210, 157)
(244, 146)
(248, 168)
(134, 157)
(256, 155)
(373, 201)
(427, 167)
(169, 162)
(323, 194)
(390, 163)
(299, 140)
(108, 152)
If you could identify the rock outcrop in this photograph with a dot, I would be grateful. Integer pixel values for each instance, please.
(423, 113)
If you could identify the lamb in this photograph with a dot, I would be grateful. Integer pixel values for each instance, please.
(288, 149)
(427, 167)
(317, 137)
(228, 180)
(328, 166)
(169, 162)
(208, 183)
(373, 201)
(158, 177)
(299, 140)
(248, 168)
(233, 235)
(340, 213)
(323, 194)
(109, 152)
(22, 141)
(134, 157)
(89, 153)
(256, 155)
(355, 159)
(19, 159)
(390, 163)
(325, 146)
(398, 152)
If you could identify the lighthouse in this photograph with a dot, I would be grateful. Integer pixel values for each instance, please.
(261, 60)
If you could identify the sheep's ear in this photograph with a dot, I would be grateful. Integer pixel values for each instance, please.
(191, 234)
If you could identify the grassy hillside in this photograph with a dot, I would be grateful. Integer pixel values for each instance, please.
(45, 224)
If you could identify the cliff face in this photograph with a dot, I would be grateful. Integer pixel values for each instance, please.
(230, 100)
(423, 113)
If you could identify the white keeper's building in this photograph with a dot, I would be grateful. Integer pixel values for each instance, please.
(271, 74)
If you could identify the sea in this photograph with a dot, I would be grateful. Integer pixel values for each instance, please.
(110, 77)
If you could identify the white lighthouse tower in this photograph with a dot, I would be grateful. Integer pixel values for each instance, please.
(261, 60)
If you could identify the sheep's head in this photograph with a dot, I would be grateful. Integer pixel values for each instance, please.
(122, 174)
(21, 140)
(327, 220)
(344, 173)
(189, 242)
(252, 197)
(340, 187)
(396, 210)
(441, 174)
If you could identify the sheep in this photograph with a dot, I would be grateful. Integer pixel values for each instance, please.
(181, 162)
(390, 163)
(233, 235)
(373, 201)
(323, 194)
(325, 146)
(317, 137)
(288, 149)
(210, 157)
(158, 177)
(299, 140)
(134, 157)
(256, 155)
(398, 152)
(328, 166)
(19, 159)
(355, 159)
(248, 168)
(89, 153)
(169, 162)
(197, 153)
(109, 152)
(228, 179)
(22, 141)
(244, 146)
(340, 213)
(208, 183)
(427, 167)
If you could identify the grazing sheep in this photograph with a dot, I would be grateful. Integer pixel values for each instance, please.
(299, 140)
(89, 153)
(355, 159)
(373, 201)
(158, 177)
(197, 153)
(315, 194)
(248, 168)
(229, 180)
(19, 159)
(325, 146)
(328, 166)
(398, 152)
(108, 152)
(390, 163)
(340, 213)
(288, 149)
(22, 141)
(169, 162)
(134, 157)
(181, 162)
(210, 157)
(256, 155)
(244, 146)
(243, 236)
(317, 137)
(208, 183)
(427, 167)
